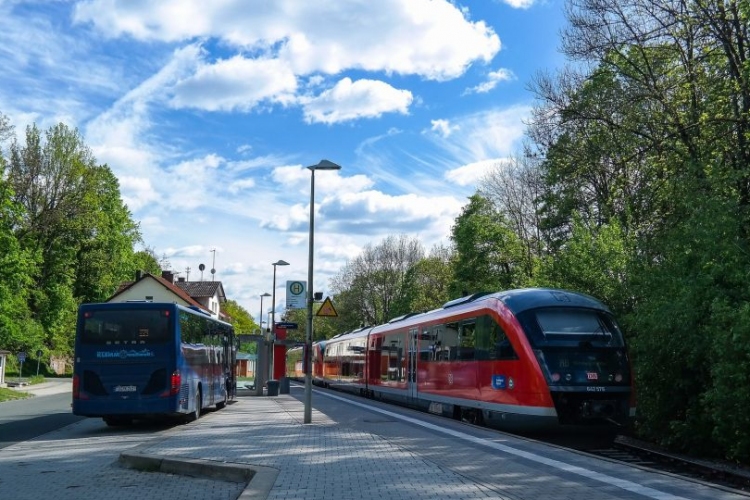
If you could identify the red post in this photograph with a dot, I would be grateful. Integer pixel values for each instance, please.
(279, 355)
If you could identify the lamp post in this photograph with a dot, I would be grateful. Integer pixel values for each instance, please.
(322, 165)
(273, 317)
(260, 317)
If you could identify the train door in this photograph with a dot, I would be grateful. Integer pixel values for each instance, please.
(413, 359)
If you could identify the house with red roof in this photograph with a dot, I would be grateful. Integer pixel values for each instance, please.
(205, 295)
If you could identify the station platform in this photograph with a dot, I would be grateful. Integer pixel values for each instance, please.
(259, 447)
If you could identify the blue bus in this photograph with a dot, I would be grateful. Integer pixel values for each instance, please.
(145, 360)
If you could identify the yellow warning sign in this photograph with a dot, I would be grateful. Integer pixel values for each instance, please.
(327, 309)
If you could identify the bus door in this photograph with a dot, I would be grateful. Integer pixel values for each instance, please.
(412, 361)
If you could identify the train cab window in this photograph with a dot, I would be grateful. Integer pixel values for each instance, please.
(570, 326)
(492, 341)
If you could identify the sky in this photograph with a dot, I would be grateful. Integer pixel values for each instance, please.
(209, 112)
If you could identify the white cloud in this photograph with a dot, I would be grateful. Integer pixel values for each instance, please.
(117, 135)
(520, 4)
(493, 78)
(236, 83)
(241, 185)
(409, 206)
(188, 251)
(349, 100)
(471, 174)
(297, 179)
(443, 127)
(486, 135)
(137, 192)
(431, 38)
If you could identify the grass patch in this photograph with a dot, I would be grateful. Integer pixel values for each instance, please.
(10, 394)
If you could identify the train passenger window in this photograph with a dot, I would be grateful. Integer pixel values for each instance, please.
(428, 345)
(447, 340)
(393, 358)
(467, 341)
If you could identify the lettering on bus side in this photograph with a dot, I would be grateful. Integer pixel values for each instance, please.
(596, 389)
(144, 353)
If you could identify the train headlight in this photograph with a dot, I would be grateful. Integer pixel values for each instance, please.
(555, 377)
(618, 377)
(568, 377)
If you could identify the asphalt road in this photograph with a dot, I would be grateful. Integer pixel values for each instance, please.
(24, 419)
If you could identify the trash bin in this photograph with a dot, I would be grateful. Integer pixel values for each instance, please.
(284, 385)
(273, 388)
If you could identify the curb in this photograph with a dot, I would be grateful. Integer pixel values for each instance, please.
(259, 479)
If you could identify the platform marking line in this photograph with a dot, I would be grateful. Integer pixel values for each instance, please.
(573, 469)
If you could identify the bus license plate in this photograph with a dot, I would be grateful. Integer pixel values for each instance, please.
(125, 388)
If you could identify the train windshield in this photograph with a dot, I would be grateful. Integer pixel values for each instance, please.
(562, 326)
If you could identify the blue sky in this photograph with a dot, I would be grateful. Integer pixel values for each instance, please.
(209, 112)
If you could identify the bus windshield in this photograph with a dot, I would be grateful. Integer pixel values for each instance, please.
(126, 327)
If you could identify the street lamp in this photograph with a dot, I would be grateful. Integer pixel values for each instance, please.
(260, 317)
(322, 165)
(273, 316)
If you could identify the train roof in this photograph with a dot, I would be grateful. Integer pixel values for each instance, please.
(531, 298)
(517, 301)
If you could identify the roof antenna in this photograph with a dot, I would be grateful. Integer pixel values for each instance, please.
(213, 266)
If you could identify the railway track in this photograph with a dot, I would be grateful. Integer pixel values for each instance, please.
(640, 454)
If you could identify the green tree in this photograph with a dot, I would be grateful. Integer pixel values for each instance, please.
(645, 137)
(594, 261)
(426, 283)
(515, 187)
(371, 286)
(74, 223)
(489, 256)
(146, 260)
(238, 316)
(106, 237)
(18, 331)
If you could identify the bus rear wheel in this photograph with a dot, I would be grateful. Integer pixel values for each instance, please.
(223, 403)
(196, 413)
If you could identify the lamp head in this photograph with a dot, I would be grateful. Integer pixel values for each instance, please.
(280, 263)
(266, 294)
(325, 165)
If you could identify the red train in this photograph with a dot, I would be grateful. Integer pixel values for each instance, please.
(522, 360)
